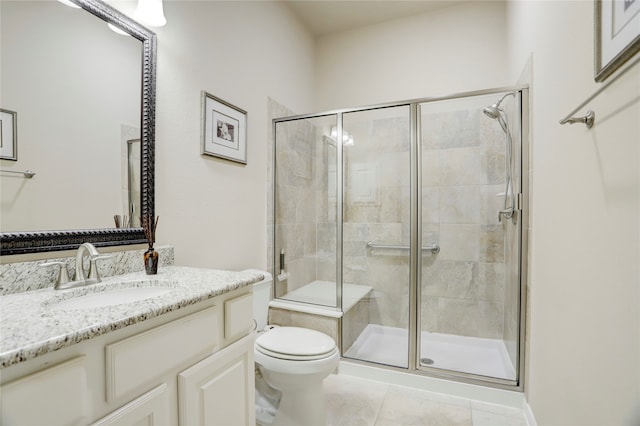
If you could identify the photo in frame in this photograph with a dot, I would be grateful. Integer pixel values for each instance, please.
(8, 135)
(617, 35)
(224, 129)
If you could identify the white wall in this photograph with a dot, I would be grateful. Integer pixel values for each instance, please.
(584, 329)
(450, 50)
(214, 211)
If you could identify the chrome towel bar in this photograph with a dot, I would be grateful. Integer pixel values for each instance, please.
(27, 173)
(434, 248)
(589, 118)
(586, 119)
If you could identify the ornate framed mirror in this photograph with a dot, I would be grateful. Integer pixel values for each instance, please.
(34, 238)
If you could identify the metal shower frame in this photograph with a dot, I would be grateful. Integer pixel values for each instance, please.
(415, 171)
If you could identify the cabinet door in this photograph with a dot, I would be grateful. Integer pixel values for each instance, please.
(135, 364)
(150, 409)
(54, 396)
(219, 390)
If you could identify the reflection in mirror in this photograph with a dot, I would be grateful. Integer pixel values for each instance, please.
(77, 89)
(132, 191)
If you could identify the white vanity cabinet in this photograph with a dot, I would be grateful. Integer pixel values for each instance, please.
(192, 366)
(215, 391)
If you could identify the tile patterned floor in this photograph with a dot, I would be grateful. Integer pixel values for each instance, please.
(353, 401)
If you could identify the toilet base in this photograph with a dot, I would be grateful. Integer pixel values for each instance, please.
(302, 406)
(299, 376)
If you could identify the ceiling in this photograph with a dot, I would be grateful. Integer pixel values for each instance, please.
(322, 17)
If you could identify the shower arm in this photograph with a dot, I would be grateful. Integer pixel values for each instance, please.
(497, 104)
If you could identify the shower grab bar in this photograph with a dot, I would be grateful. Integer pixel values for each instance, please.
(434, 248)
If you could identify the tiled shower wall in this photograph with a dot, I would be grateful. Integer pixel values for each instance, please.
(377, 209)
(463, 171)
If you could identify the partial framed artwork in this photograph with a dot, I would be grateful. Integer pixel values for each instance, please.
(617, 35)
(224, 129)
(8, 135)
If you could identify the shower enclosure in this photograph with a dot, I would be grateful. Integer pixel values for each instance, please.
(406, 221)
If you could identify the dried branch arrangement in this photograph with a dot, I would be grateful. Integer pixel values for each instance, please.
(149, 225)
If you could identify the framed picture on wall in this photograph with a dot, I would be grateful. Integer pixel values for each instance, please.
(224, 129)
(8, 135)
(617, 34)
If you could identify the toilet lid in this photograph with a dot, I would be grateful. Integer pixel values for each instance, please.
(295, 343)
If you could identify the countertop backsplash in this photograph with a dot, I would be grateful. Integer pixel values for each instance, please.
(26, 276)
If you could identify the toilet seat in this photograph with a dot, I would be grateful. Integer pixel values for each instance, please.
(294, 357)
(296, 344)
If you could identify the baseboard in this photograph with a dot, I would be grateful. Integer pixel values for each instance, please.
(528, 414)
(463, 390)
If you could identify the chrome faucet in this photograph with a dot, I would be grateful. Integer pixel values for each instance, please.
(93, 276)
(80, 278)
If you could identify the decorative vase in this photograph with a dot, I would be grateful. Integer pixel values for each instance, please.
(151, 261)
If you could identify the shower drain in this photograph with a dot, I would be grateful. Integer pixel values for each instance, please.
(426, 361)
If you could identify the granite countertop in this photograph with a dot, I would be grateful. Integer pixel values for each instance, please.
(30, 327)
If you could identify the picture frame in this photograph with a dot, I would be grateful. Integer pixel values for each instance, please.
(617, 35)
(8, 135)
(224, 129)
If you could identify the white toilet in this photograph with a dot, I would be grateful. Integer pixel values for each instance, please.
(294, 361)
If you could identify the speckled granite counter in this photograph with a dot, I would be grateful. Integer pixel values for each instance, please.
(30, 326)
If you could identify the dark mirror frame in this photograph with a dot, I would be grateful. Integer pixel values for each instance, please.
(45, 241)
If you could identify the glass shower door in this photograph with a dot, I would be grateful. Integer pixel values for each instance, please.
(469, 292)
(376, 235)
(305, 211)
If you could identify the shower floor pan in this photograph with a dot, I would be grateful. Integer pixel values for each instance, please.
(389, 346)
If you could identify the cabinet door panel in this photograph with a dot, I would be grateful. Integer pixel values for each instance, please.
(150, 409)
(56, 395)
(136, 364)
(238, 316)
(219, 390)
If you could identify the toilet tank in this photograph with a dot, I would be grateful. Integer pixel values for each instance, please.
(261, 298)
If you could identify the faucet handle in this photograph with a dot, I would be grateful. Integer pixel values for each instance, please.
(93, 267)
(63, 274)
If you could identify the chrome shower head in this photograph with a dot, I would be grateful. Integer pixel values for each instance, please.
(494, 110)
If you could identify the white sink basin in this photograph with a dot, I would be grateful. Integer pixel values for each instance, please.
(114, 297)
